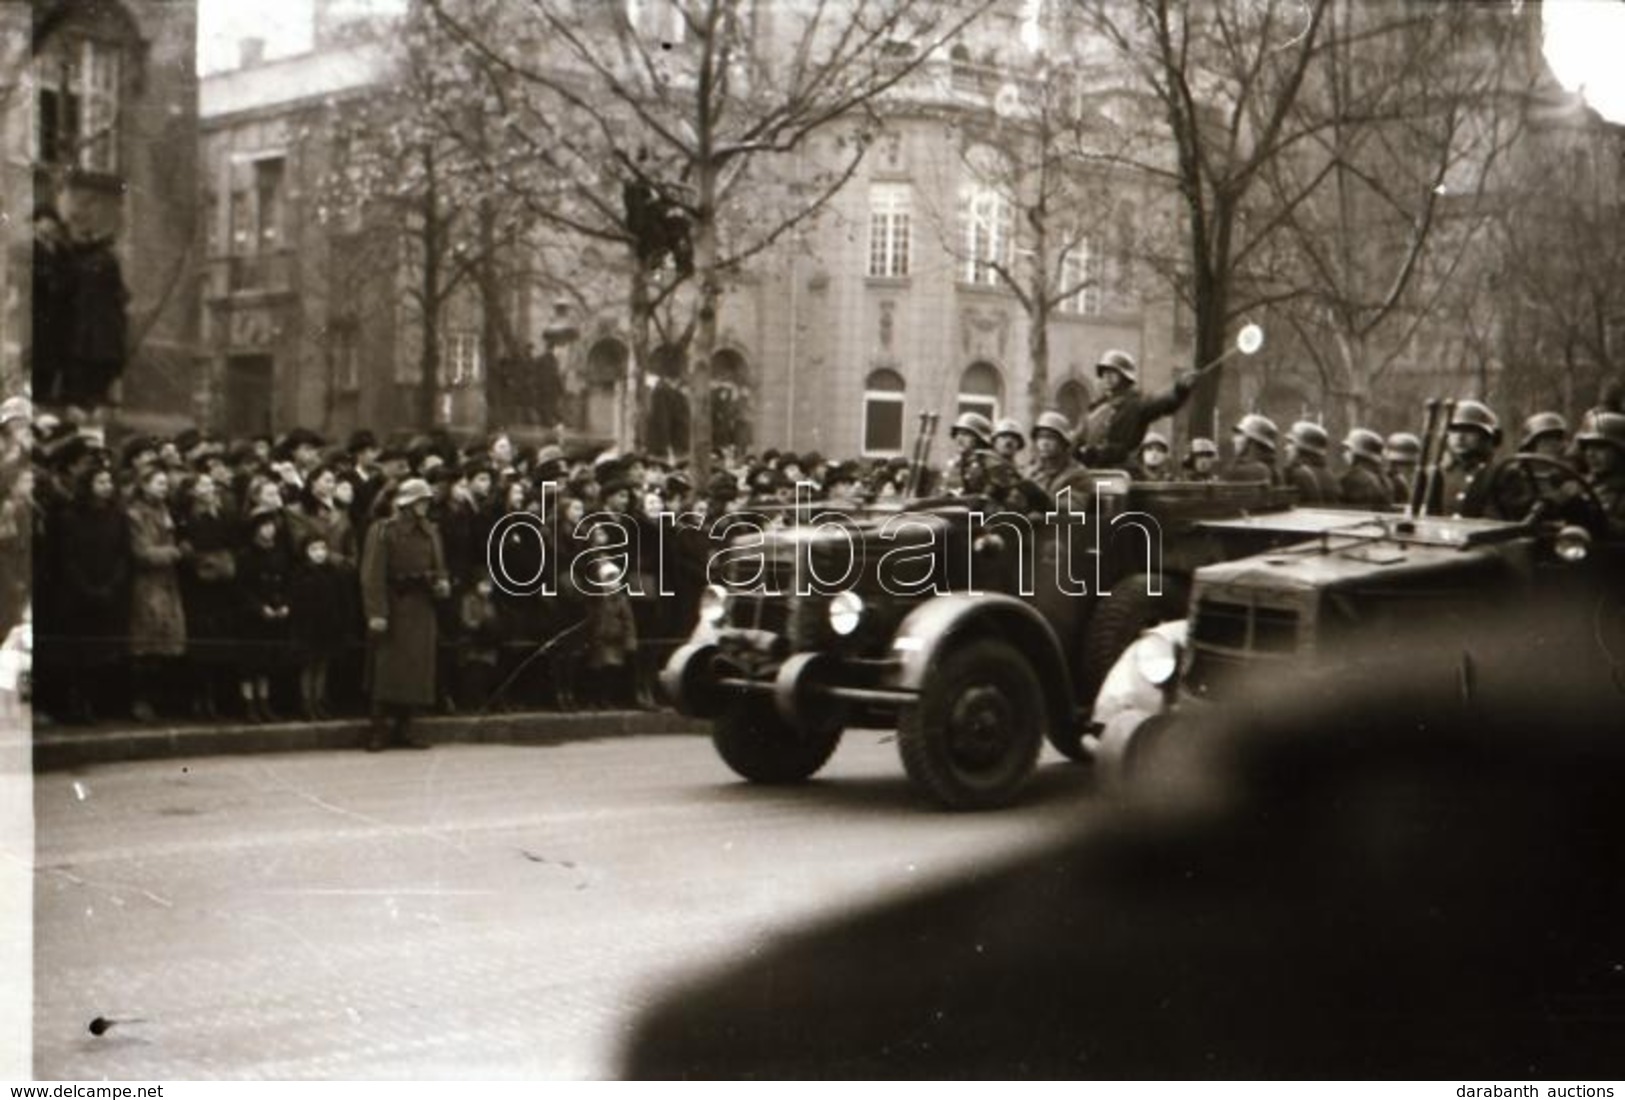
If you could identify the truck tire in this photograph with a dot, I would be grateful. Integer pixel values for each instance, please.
(760, 746)
(1117, 621)
(972, 740)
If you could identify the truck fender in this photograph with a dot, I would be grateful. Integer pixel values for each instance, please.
(930, 630)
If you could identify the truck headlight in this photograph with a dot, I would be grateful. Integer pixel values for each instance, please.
(1573, 544)
(1156, 658)
(845, 612)
(713, 604)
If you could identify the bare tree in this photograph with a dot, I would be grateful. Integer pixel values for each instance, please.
(696, 103)
(1408, 113)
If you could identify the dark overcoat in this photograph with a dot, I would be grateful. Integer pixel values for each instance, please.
(402, 558)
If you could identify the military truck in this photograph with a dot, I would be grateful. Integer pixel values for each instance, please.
(976, 632)
(1362, 593)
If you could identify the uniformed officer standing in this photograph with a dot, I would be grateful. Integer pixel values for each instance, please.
(1463, 488)
(1364, 484)
(1118, 421)
(1054, 467)
(1306, 446)
(403, 572)
(1602, 447)
(1255, 442)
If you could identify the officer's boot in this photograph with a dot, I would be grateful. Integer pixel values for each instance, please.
(378, 731)
(404, 737)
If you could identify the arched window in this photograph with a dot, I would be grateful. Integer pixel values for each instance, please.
(883, 414)
(981, 390)
(1072, 399)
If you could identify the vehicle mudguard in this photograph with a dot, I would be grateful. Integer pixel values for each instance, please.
(931, 629)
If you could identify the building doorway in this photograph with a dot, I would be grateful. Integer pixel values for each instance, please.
(248, 391)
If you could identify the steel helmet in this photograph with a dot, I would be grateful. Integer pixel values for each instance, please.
(1261, 430)
(1603, 427)
(1204, 446)
(1542, 423)
(1476, 415)
(1404, 446)
(1364, 442)
(977, 425)
(1306, 435)
(1052, 421)
(1155, 439)
(1121, 362)
(1010, 426)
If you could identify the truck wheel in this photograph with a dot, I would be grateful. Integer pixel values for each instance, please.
(1117, 621)
(760, 746)
(973, 738)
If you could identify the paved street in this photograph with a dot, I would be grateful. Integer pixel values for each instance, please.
(476, 910)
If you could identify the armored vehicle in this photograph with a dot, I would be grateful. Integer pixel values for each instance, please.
(1356, 597)
(977, 633)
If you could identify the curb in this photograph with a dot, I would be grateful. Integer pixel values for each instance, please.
(59, 749)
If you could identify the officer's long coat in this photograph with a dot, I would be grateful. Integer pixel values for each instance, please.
(401, 662)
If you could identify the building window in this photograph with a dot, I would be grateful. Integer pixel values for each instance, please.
(346, 357)
(987, 232)
(1083, 275)
(78, 105)
(460, 357)
(883, 414)
(980, 390)
(268, 203)
(889, 230)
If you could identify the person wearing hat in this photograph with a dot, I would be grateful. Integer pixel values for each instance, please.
(264, 573)
(1201, 460)
(978, 470)
(157, 624)
(1306, 447)
(1118, 419)
(1008, 439)
(1364, 483)
(1602, 448)
(1401, 453)
(1055, 469)
(1153, 464)
(549, 465)
(403, 572)
(1254, 442)
(1465, 478)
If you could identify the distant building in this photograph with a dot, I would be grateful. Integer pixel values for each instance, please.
(103, 127)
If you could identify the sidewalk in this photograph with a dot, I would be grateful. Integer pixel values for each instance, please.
(58, 747)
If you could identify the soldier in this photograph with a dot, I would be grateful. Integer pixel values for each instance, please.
(1201, 460)
(1364, 484)
(1054, 468)
(1545, 433)
(979, 470)
(1602, 446)
(1306, 446)
(1153, 463)
(1008, 439)
(1463, 489)
(1118, 421)
(1255, 441)
(402, 573)
(1400, 457)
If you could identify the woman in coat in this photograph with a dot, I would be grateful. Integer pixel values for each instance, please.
(264, 576)
(157, 615)
(209, 591)
(403, 573)
(91, 545)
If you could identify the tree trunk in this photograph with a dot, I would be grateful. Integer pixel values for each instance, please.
(634, 414)
(1038, 354)
(1210, 306)
(429, 353)
(705, 335)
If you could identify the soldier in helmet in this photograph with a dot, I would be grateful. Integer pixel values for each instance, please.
(1117, 422)
(1401, 454)
(1545, 433)
(1306, 446)
(1255, 441)
(1153, 464)
(1008, 439)
(1365, 483)
(1602, 448)
(1054, 468)
(1463, 488)
(1201, 460)
(978, 470)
